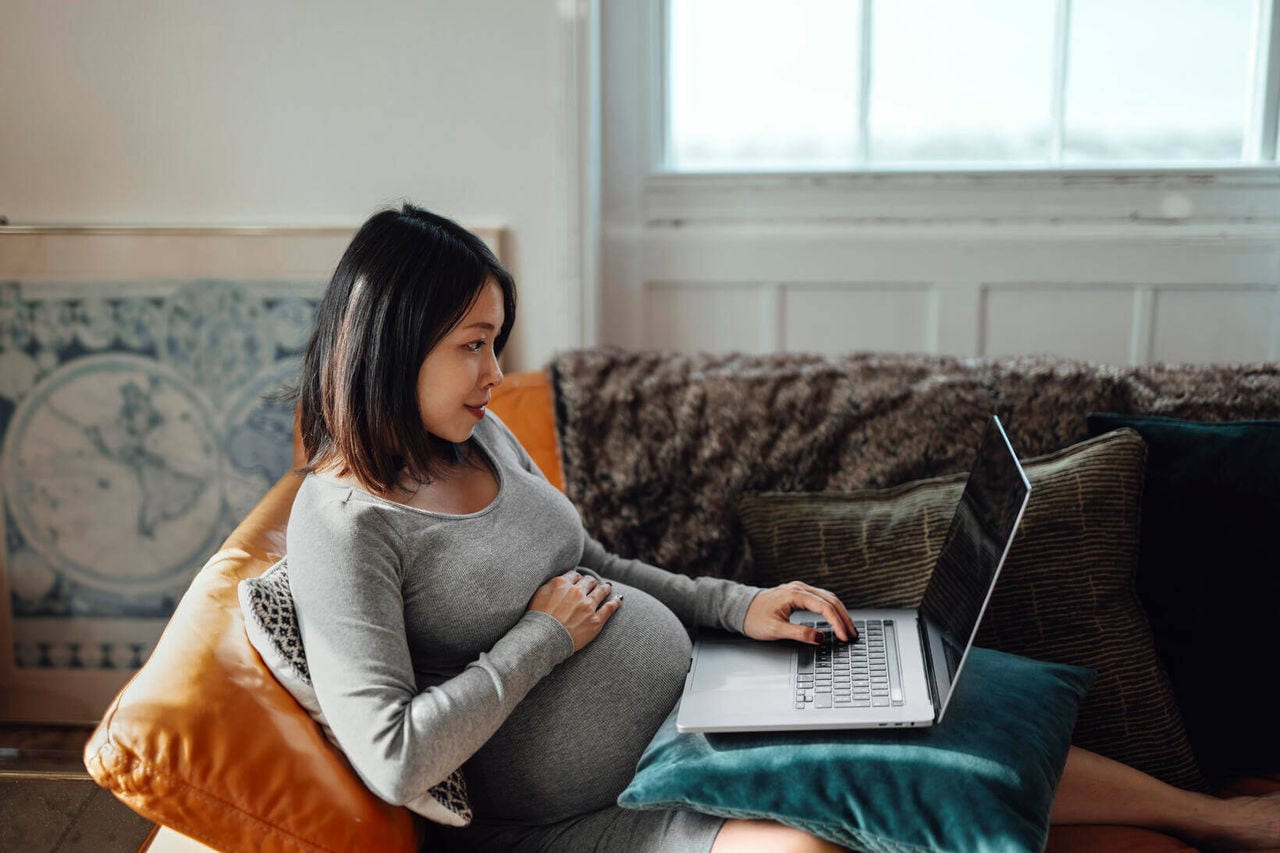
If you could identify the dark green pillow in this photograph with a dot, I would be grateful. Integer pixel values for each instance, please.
(983, 779)
(1065, 593)
(1209, 579)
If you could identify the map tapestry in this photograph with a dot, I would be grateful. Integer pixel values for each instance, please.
(140, 422)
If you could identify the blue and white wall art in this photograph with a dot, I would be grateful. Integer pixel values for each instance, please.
(140, 422)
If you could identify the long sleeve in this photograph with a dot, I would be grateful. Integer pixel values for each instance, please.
(345, 575)
(705, 601)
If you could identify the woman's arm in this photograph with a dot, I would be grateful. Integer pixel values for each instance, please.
(344, 569)
(762, 614)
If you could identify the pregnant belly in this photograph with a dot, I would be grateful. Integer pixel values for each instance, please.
(572, 744)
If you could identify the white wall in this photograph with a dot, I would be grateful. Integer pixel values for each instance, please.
(281, 112)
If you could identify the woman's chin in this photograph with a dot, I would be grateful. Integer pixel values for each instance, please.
(456, 435)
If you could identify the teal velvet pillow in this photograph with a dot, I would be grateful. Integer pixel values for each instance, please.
(982, 780)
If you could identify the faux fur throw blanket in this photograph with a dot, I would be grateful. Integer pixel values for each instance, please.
(657, 447)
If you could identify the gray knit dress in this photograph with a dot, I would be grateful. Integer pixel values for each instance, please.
(425, 658)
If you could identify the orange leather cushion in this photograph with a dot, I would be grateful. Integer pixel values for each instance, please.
(203, 739)
(523, 401)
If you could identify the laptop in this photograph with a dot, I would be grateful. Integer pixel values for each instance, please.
(903, 667)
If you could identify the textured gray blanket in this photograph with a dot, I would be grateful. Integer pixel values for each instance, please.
(657, 447)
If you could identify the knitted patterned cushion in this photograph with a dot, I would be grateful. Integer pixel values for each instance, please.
(272, 627)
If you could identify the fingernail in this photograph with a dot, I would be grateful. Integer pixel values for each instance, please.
(822, 638)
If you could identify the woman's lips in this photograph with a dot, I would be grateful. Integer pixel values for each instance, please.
(479, 413)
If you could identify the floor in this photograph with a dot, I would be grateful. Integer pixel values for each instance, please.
(48, 802)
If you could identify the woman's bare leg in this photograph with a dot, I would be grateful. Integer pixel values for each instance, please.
(1096, 789)
(752, 836)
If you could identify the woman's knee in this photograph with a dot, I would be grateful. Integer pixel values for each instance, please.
(747, 836)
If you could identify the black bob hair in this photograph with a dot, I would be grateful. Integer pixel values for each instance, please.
(408, 277)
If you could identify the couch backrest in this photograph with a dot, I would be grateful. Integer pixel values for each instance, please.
(658, 447)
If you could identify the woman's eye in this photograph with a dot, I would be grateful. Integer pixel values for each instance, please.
(477, 344)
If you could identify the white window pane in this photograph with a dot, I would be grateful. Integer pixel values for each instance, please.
(1157, 80)
(760, 85)
(961, 82)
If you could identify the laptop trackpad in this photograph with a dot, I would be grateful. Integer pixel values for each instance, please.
(737, 665)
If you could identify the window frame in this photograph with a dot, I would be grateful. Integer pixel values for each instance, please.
(1240, 193)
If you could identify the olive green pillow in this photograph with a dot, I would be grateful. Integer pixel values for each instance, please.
(1065, 594)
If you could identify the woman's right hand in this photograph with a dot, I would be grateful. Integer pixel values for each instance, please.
(574, 600)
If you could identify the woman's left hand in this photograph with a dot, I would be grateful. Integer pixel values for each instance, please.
(769, 616)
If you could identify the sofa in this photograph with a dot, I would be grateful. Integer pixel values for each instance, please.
(204, 741)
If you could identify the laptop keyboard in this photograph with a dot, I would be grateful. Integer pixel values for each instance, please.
(861, 674)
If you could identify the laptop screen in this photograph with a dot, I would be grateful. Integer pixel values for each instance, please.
(976, 543)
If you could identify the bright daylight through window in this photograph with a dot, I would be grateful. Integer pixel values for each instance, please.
(833, 85)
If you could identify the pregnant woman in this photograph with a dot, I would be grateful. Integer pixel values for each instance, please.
(455, 613)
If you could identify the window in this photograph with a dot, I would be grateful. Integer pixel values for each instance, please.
(838, 85)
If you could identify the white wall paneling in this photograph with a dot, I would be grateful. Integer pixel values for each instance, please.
(1091, 322)
(1214, 324)
(708, 316)
(1101, 294)
(835, 318)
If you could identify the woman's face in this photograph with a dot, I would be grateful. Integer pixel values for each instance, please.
(462, 369)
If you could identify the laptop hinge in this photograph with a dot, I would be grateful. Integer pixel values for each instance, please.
(929, 677)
